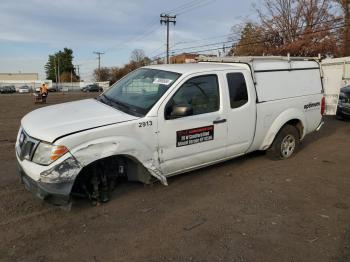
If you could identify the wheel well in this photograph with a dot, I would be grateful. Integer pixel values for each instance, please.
(298, 124)
(119, 166)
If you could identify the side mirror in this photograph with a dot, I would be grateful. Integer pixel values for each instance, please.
(180, 111)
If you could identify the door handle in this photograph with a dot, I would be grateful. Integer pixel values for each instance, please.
(216, 122)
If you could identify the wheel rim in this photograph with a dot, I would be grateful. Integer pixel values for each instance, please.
(288, 146)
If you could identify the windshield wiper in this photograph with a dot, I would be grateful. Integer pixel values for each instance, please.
(119, 105)
(102, 98)
(109, 101)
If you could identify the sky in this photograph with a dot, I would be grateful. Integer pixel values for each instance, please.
(31, 30)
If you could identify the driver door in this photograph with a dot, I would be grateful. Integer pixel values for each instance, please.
(196, 139)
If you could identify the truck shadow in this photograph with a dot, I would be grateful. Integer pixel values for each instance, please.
(332, 124)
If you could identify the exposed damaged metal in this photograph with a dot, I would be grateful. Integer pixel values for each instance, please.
(156, 172)
(93, 152)
(63, 172)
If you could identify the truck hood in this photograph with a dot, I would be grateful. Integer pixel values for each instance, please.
(51, 122)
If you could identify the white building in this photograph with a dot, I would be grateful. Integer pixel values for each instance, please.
(20, 79)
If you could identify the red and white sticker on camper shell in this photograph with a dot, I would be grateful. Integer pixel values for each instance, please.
(194, 136)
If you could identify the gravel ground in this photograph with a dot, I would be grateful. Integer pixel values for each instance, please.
(247, 209)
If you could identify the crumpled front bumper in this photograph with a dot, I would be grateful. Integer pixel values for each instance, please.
(55, 184)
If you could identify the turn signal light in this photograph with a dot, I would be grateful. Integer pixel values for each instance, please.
(57, 152)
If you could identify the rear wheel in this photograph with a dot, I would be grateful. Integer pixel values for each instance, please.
(286, 143)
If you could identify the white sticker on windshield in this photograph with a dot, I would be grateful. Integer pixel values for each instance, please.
(162, 81)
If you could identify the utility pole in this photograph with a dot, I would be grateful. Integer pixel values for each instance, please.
(78, 71)
(99, 63)
(346, 6)
(167, 19)
(56, 71)
(71, 78)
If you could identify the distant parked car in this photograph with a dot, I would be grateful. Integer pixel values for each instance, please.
(24, 89)
(53, 89)
(3, 90)
(7, 89)
(92, 88)
(343, 110)
(12, 89)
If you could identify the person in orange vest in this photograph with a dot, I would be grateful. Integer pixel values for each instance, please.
(43, 90)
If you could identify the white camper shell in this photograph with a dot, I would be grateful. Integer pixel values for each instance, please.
(163, 120)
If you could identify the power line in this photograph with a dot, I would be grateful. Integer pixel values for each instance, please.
(152, 28)
(187, 7)
(195, 7)
(184, 8)
(181, 7)
(191, 41)
(204, 39)
(235, 40)
(262, 42)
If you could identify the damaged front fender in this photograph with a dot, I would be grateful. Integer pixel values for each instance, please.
(66, 171)
(120, 146)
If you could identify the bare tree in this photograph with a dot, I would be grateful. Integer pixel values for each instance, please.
(251, 42)
(102, 75)
(345, 5)
(137, 55)
(298, 27)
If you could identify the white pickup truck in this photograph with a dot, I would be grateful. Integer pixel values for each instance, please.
(164, 120)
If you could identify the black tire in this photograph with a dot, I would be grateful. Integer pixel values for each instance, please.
(339, 115)
(286, 143)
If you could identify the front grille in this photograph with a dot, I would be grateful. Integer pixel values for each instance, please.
(26, 146)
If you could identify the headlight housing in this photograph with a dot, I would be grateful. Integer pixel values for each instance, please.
(45, 153)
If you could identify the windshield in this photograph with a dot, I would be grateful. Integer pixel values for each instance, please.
(139, 91)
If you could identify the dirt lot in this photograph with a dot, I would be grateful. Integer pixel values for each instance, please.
(248, 209)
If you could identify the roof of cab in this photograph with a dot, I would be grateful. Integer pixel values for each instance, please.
(197, 67)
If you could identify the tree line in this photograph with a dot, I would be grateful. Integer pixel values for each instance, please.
(113, 74)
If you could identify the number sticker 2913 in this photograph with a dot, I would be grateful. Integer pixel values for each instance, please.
(145, 124)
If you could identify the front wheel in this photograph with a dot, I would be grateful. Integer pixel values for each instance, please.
(286, 143)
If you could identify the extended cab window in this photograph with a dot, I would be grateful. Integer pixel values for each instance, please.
(199, 95)
(238, 89)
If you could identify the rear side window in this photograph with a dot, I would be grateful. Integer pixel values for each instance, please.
(238, 89)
